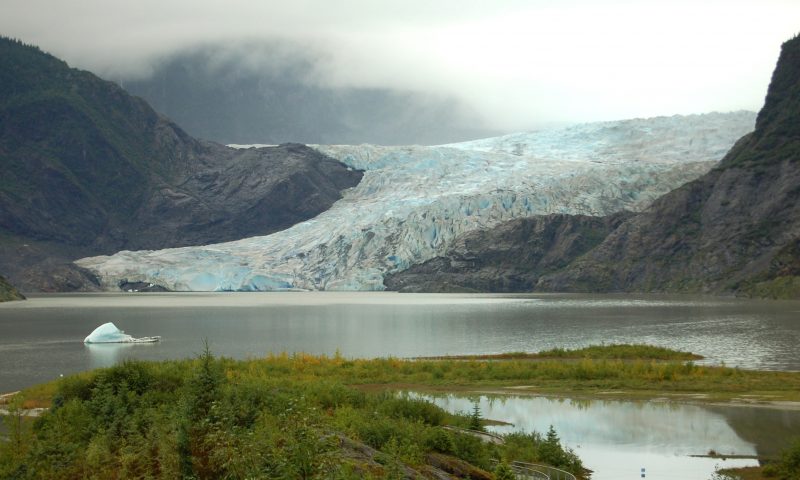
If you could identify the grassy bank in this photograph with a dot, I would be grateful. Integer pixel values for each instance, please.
(633, 376)
(215, 418)
(569, 372)
(260, 418)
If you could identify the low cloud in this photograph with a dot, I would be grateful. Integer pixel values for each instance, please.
(520, 64)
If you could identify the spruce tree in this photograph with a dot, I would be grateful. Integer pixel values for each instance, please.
(475, 422)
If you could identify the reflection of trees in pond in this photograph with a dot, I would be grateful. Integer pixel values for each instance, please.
(492, 400)
(582, 403)
(769, 429)
(638, 425)
(694, 429)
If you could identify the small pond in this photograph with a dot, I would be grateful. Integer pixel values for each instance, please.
(617, 439)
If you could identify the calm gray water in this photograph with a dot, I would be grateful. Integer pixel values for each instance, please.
(43, 337)
(617, 439)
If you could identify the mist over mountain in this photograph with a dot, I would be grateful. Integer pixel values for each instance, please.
(271, 93)
(88, 168)
(735, 229)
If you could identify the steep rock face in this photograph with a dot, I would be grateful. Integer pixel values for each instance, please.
(8, 292)
(736, 229)
(240, 193)
(89, 169)
(508, 258)
(414, 201)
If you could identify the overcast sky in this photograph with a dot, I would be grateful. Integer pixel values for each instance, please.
(519, 63)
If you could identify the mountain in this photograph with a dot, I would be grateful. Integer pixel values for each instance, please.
(8, 292)
(89, 169)
(734, 230)
(246, 95)
(413, 202)
(510, 257)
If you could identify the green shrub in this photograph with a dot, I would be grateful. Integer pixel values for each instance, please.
(788, 467)
(439, 440)
(412, 409)
(504, 472)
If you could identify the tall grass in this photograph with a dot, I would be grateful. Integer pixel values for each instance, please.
(614, 351)
(569, 375)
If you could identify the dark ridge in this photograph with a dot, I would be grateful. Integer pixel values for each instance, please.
(89, 169)
(734, 230)
(508, 258)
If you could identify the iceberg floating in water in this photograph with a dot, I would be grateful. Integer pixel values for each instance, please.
(109, 333)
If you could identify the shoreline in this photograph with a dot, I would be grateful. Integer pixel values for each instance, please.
(618, 372)
(701, 399)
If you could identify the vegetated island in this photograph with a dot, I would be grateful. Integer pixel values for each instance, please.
(607, 352)
(306, 416)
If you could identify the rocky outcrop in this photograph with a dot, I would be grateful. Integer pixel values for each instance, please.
(735, 229)
(8, 292)
(237, 194)
(89, 169)
(508, 258)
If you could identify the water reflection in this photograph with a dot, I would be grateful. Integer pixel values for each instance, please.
(646, 426)
(618, 438)
(109, 354)
(769, 429)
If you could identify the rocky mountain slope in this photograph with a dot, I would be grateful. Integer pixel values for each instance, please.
(414, 201)
(89, 169)
(260, 93)
(8, 292)
(510, 257)
(735, 229)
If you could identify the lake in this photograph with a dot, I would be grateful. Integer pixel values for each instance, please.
(42, 338)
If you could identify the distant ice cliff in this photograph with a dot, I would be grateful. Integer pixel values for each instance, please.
(413, 201)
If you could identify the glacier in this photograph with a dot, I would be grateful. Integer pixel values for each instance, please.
(414, 200)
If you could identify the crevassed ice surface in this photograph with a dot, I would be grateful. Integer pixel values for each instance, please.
(413, 201)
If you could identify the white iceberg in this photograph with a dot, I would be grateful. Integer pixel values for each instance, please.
(109, 333)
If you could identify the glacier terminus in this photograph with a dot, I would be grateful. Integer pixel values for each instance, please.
(414, 200)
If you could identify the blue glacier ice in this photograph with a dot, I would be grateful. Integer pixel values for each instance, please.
(414, 200)
(109, 333)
